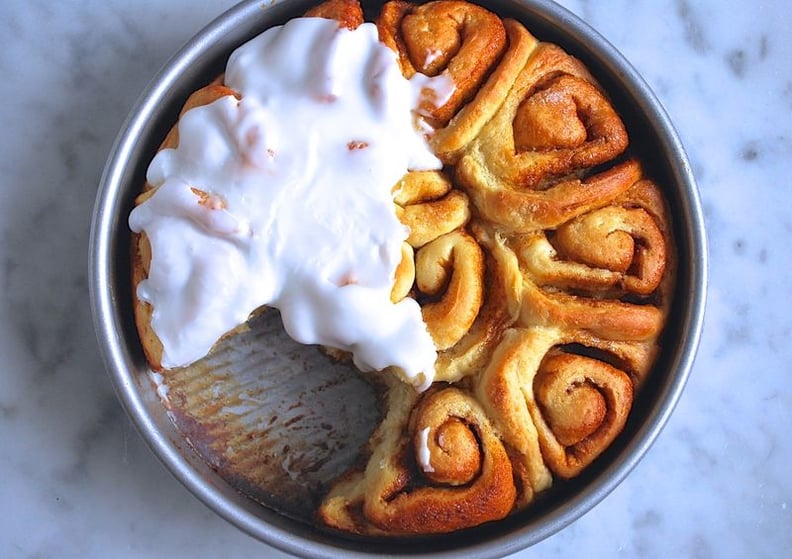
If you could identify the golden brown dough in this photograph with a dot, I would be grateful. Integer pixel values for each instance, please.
(622, 248)
(467, 481)
(605, 272)
(459, 38)
(524, 167)
(583, 404)
(450, 140)
(502, 293)
(555, 121)
(429, 205)
(516, 209)
(348, 13)
(405, 274)
(450, 273)
(556, 409)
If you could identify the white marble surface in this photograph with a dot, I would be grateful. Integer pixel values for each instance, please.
(77, 481)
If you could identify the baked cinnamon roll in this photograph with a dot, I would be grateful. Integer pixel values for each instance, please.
(450, 141)
(529, 165)
(457, 38)
(621, 248)
(554, 122)
(605, 271)
(348, 13)
(140, 250)
(436, 466)
(557, 402)
(449, 277)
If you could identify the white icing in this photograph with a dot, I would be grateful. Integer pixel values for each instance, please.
(432, 55)
(159, 383)
(295, 208)
(424, 456)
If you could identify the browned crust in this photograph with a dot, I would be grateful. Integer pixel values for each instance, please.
(348, 13)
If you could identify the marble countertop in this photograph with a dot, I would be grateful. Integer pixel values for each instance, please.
(79, 482)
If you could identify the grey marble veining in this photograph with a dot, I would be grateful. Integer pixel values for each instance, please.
(78, 481)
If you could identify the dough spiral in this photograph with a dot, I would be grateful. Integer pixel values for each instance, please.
(466, 479)
(459, 38)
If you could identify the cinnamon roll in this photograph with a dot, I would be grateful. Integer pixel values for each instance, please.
(531, 159)
(555, 121)
(348, 13)
(578, 269)
(500, 308)
(557, 402)
(605, 271)
(140, 249)
(449, 471)
(621, 248)
(458, 38)
(450, 140)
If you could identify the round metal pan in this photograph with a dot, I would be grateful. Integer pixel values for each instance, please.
(257, 430)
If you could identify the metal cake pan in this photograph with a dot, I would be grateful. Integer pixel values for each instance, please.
(194, 426)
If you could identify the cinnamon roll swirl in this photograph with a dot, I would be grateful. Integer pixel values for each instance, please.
(450, 141)
(450, 471)
(605, 271)
(621, 248)
(449, 278)
(500, 308)
(459, 38)
(557, 402)
(554, 126)
(429, 205)
(555, 121)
